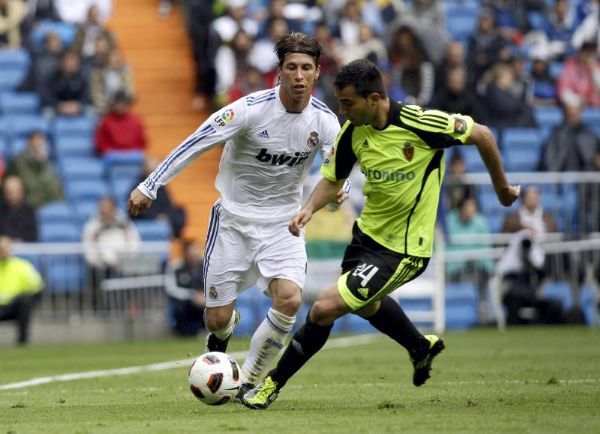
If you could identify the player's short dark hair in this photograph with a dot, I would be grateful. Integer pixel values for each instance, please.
(297, 42)
(363, 75)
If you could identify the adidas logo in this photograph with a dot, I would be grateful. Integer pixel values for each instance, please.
(263, 134)
(365, 144)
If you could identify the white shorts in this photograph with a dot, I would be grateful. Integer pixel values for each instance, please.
(240, 254)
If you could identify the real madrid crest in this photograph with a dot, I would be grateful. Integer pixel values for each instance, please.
(313, 139)
(212, 293)
(409, 151)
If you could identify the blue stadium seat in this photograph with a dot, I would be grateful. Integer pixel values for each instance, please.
(559, 291)
(522, 160)
(548, 116)
(65, 274)
(16, 147)
(588, 304)
(591, 116)
(19, 102)
(58, 232)
(65, 31)
(77, 126)
(473, 161)
(462, 301)
(556, 68)
(55, 212)
(86, 190)
(24, 124)
(14, 64)
(153, 230)
(73, 146)
(3, 148)
(459, 26)
(521, 138)
(127, 164)
(85, 209)
(81, 168)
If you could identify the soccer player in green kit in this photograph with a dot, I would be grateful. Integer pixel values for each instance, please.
(400, 149)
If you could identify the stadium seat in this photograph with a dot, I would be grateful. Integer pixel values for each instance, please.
(591, 116)
(85, 189)
(3, 149)
(16, 147)
(58, 232)
(522, 160)
(548, 116)
(559, 291)
(588, 304)
(473, 161)
(521, 138)
(120, 189)
(459, 26)
(127, 164)
(153, 230)
(81, 168)
(85, 209)
(14, 64)
(73, 146)
(65, 274)
(24, 124)
(78, 126)
(19, 103)
(65, 31)
(556, 68)
(55, 212)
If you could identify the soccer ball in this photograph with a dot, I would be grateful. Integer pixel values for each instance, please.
(214, 378)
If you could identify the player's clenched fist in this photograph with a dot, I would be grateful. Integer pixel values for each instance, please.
(138, 203)
(299, 221)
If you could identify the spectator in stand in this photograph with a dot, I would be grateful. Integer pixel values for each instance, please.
(329, 64)
(579, 81)
(17, 218)
(162, 208)
(107, 236)
(235, 19)
(87, 33)
(2, 166)
(456, 191)
(43, 66)
(20, 285)
(454, 57)
(33, 166)
(368, 47)
(588, 28)
(465, 221)
(410, 68)
(38, 11)
(120, 129)
(558, 28)
(231, 64)
(530, 215)
(501, 107)
(262, 55)
(185, 291)
(348, 23)
(103, 47)
(76, 11)
(109, 80)
(544, 85)
(67, 89)
(252, 81)
(12, 14)
(454, 96)
(205, 43)
(486, 47)
(572, 147)
(275, 11)
(428, 20)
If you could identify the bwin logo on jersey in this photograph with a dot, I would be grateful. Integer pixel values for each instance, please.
(281, 159)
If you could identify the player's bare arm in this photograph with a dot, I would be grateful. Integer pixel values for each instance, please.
(325, 192)
(138, 203)
(483, 138)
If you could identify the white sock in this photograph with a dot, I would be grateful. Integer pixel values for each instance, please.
(268, 339)
(224, 333)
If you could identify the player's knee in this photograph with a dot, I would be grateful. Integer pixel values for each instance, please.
(288, 304)
(216, 320)
(323, 312)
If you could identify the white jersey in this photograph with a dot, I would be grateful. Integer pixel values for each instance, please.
(268, 153)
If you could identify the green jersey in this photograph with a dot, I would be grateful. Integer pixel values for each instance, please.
(404, 166)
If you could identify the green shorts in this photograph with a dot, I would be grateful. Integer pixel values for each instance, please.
(370, 271)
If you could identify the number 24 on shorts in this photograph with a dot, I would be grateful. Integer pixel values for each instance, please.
(366, 272)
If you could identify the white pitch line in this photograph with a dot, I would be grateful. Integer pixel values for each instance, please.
(334, 343)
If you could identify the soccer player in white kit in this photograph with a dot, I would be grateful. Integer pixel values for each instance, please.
(271, 138)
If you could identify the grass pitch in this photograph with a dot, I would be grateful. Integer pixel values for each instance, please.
(542, 380)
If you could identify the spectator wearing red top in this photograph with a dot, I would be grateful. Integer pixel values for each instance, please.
(120, 129)
(579, 81)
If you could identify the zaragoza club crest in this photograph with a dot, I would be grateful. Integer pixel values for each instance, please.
(409, 151)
